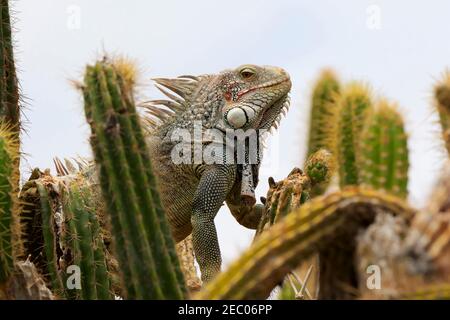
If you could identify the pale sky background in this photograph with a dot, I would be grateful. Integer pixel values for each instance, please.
(399, 47)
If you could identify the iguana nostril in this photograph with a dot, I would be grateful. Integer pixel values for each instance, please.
(236, 118)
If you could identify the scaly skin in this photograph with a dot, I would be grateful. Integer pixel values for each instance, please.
(249, 97)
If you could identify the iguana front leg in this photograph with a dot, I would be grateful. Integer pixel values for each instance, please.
(248, 216)
(244, 211)
(215, 183)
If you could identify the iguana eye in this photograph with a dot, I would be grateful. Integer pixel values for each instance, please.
(247, 73)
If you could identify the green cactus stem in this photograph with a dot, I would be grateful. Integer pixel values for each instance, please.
(50, 239)
(323, 112)
(322, 124)
(299, 235)
(84, 240)
(147, 258)
(354, 107)
(63, 229)
(320, 167)
(9, 89)
(9, 224)
(384, 160)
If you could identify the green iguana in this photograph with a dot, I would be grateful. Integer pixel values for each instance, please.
(249, 97)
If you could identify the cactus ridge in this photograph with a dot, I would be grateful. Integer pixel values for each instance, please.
(323, 112)
(9, 89)
(137, 219)
(294, 238)
(384, 160)
(442, 105)
(320, 166)
(322, 124)
(10, 246)
(50, 239)
(64, 229)
(355, 106)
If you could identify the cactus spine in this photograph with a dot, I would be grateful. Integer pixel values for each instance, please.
(9, 225)
(442, 104)
(384, 151)
(146, 256)
(354, 106)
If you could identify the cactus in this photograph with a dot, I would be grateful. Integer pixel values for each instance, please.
(287, 195)
(84, 240)
(322, 128)
(9, 89)
(144, 249)
(9, 147)
(319, 167)
(323, 112)
(413, 254)
(185, 251)
(50, 237)
(355, 105)
(372, 151)
(9, 224)
(300, 234)
(61, 215)
(384, 151)
(442, 104)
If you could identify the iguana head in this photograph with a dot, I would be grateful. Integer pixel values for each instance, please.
(248, 97)
(254, 96)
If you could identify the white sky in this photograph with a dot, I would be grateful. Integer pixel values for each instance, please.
(401, 54)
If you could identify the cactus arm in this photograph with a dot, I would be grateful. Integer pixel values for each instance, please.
(120, 99)
(50, 241)
(125, 204)
(354, 107)
(297, 236)
(323, 112)
(102, 280)
(9, 90)
(119, 155)
(322, 124)
(78, 220)
(84, 237)
(384, 152)
(9, 227)
(152, 188)
(85, 241)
